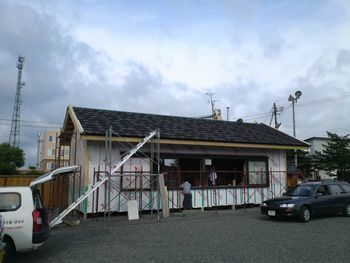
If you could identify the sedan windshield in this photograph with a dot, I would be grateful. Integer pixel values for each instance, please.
(301, 190)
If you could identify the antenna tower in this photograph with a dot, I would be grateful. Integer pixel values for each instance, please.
(16, 117)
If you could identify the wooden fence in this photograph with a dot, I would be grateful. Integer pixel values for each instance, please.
(54, 193)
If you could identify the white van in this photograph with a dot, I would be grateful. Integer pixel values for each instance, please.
(2, 245)
(26, 223)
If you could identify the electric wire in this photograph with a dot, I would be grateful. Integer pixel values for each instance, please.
(257, 116)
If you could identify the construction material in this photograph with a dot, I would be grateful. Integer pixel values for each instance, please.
(133, 212)
(164, 196)
(101, 181)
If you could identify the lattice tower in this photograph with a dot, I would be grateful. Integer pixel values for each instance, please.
(16, 117)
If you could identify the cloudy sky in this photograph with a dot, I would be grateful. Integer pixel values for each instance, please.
(163, 57)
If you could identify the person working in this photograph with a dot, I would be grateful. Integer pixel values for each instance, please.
(212, 177)
(186, 189)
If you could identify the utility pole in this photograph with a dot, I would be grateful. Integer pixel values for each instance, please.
(39, 151)
(16, 117)
(294, 100)
(275, 111)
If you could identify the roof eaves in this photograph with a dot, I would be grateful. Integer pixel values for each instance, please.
(301, 142)
(74, 118)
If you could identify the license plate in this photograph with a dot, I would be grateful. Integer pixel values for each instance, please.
(271, 213)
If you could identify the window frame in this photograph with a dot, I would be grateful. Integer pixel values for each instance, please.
(19, 203)
(258, 159)
(262, 158)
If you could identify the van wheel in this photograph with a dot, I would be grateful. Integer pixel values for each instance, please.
(9, 249)
(347, 210)
(305, 214)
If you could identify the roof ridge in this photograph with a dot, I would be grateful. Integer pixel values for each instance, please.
(176, 116)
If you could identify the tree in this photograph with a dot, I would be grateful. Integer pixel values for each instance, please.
(11, 158)
(335, 157)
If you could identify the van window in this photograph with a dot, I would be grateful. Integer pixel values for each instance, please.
(37, 200)
(9, 201)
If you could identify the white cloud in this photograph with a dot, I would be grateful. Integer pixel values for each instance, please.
(163, 59)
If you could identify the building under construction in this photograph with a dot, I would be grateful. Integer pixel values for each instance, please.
(249, 160)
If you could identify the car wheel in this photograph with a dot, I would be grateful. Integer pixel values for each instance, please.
(347, 210)
(9, 249)
(305, 214)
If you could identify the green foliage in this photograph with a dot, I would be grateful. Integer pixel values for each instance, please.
(304, 162)
(11, 158)
(335, 157)
(32, 172)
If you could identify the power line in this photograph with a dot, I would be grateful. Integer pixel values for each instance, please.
(341, 96)
(34, 121)
(33, 126)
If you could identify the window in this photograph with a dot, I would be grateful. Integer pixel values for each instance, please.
(51, 138)
(169, 168)
(257, 172)
(9, 201)
(346, 187)
(230, 172)
(50, 165)
(51, 152)
(303, 190)
(335, 189)
(323, 190)
(37, 200)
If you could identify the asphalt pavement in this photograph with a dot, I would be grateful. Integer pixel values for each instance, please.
(223, 236)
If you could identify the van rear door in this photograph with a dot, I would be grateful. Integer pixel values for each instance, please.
(40, 220)
(53, 174)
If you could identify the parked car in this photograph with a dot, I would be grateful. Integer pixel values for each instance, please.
(26, 224)
(307, 200)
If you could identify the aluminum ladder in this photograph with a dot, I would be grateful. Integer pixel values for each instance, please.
(104, 178)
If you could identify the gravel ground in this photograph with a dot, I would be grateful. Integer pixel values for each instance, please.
(225, 236)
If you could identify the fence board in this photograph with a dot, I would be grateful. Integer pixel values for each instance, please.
(54, 193)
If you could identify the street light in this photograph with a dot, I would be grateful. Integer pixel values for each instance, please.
(294, 100)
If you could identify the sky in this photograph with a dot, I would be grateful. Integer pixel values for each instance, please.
(163, 57)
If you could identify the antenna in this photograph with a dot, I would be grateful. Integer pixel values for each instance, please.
(211, 101)
(16, 117)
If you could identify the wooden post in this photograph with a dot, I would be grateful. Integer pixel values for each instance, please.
(164, 196)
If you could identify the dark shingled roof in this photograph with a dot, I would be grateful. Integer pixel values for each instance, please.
(130, 124)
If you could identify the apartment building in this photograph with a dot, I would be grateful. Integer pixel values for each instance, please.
(50, 154)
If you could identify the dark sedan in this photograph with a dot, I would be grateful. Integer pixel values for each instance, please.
(310, 199)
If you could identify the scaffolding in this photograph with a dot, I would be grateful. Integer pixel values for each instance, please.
(106, 177)
(123, 185)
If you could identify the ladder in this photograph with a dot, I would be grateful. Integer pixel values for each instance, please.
(58, 219)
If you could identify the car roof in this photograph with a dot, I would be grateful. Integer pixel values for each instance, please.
(323, 182)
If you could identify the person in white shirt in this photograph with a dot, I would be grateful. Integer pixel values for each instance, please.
(212, 177)
(186, 189)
